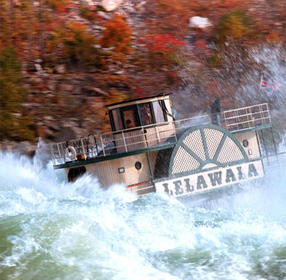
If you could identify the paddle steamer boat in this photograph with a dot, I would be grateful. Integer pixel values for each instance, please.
(150, 151)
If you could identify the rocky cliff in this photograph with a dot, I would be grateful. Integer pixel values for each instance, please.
(179, 47)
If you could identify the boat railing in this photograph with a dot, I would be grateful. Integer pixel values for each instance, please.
(160, 134)
(246, 117)
(110, 143)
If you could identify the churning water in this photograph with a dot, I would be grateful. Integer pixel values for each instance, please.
(50, 229)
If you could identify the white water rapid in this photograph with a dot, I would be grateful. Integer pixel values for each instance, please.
(50, 229)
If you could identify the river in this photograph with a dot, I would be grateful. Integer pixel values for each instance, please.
(53, 230)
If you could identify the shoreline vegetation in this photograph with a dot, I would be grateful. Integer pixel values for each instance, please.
(63, 61)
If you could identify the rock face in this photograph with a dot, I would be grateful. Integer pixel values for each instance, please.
(111, 5)
(24, 147)
(60, 69)
(199, 22)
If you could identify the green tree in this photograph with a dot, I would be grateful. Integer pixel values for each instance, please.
(11, 96)
(236, 26)
(80, 47)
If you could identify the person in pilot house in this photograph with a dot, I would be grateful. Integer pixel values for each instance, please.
(129, 124)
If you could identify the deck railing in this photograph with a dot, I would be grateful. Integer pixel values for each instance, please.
(246, 117)
(160, 134)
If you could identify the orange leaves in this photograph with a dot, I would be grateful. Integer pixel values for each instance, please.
(59, 5)
(162, 49)
(77, 32)
(175, 5)
(82, 48)
(163, 43)
(117, 35)
(115, 97)
(274, 37)
(228, 4)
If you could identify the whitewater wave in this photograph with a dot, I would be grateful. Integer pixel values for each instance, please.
(51, 229)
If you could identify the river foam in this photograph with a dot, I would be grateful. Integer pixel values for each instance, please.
(51, 229)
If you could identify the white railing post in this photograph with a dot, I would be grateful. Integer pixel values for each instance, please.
(124, 142)
(157, 134)
(59, 150)
(53, 155)
(103, 148)
(145, 140)
(249, 117)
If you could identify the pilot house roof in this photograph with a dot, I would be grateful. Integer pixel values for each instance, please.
(137, 100)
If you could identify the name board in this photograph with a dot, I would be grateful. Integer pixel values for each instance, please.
(213, 179)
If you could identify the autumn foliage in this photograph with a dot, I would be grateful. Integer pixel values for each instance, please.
(139, 55)
(59, 5)
(117, 35)
(163, 43)
(80, 45)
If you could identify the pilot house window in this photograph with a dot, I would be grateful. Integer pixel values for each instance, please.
(145, 114)
(130, 117)
(142, 114)
(159, 108)
(117, 119)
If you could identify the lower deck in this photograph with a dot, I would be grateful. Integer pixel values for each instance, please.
(200, 153)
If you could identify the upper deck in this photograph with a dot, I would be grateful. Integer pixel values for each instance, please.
(154, 136)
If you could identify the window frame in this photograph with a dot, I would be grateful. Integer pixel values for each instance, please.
(151, 111)
(162, 105)
(138, 117)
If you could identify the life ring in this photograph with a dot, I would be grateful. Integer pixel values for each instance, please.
(71, 152)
